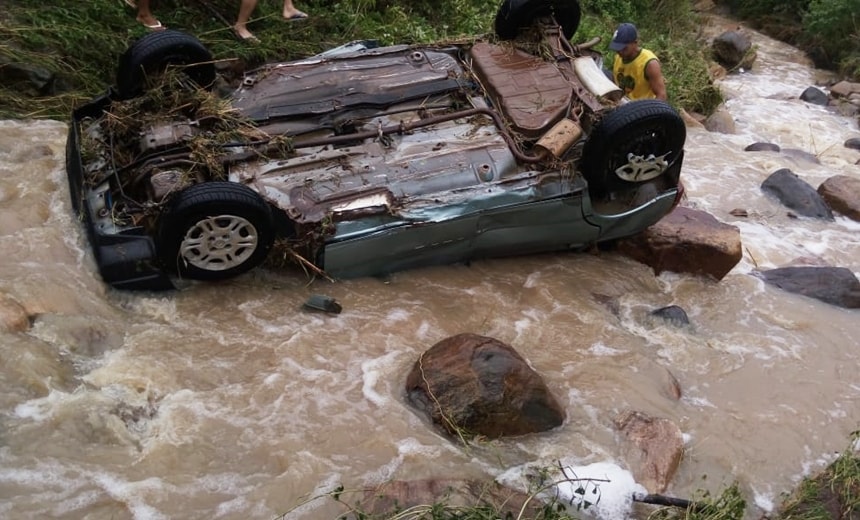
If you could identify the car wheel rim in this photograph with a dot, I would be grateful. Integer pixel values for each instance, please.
(219, 243)
(640, 169)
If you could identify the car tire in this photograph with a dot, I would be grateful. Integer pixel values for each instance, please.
(644, 129)
(214, 231)
(148, 58)
(516, 14)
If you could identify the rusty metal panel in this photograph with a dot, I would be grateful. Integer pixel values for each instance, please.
(529, 90)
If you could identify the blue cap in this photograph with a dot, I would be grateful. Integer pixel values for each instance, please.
(626, 33)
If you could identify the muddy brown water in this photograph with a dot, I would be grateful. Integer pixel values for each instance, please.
(228, 401)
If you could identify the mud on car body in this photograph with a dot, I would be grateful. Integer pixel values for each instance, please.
(366, 160)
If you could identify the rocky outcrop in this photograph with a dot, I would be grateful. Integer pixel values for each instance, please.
(834, 285)
(796, 194)
(733, 50)
(471, 384)
(842, 194)
(13, 315)
(686, 241)
(657, 448)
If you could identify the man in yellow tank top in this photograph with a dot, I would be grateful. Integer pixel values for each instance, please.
(636, 70)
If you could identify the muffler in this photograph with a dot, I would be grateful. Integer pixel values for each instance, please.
(559, 138)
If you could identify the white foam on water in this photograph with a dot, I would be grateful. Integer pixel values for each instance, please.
(376, 370)
(407, 449)
(763, 500)
(41, 408)
(130, 493)
(397, 315)
(600, 349)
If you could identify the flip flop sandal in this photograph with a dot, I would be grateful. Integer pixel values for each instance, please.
(155, 27)
(297, 16)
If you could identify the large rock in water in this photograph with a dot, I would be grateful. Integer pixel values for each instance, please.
(842, 194)
(834, 285)
(815, 95)
(659, 448)
(796, 194)
(687, 241)
(478, 385)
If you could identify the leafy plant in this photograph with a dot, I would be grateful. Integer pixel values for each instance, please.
(831, 31)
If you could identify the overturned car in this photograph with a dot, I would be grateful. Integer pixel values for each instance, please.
(366, 160)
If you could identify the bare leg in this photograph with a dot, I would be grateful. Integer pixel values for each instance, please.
(241, 27)
(290, 11)
(145, 16)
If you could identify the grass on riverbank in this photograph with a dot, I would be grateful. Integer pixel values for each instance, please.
(78, 43)
(831, 494)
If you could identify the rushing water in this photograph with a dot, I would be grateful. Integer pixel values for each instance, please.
(229, 401)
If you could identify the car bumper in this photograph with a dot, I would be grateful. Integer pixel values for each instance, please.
(125, 259)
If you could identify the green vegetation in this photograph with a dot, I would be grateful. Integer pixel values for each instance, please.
(488, 502)
(832, 494)
(729, 505)
(828, 30)
(77, 43)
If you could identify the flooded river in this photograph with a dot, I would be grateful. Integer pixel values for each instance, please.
(229, 401)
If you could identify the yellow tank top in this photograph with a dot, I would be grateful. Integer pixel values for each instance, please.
(630, 76)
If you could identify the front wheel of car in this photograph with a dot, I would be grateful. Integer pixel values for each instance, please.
(516, 14)
(145, 62)
(214, 231)
(635, 143)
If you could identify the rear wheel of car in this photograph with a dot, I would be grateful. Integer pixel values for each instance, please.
(144, 62)
(516, 14)
(635, 143)
(214, 231)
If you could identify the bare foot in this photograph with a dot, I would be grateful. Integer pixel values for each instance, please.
(243, 33)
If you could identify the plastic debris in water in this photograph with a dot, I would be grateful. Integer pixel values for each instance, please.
(319, 302)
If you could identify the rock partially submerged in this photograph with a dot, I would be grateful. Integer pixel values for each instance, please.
(733, 50)
(13, 315)
(815, 96)
(658, 448)
(762, 147)
(672, 314)
(470, 384)
(842, 194)
(796, 194)
(721, 121)
(687, 241)
(834, 285)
